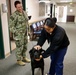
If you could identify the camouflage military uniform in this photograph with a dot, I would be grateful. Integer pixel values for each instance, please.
(18, 23)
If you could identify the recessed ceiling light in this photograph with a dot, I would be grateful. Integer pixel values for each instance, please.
(63, 1)
(71, 3)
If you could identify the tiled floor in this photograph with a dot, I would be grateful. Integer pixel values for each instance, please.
(8, 66)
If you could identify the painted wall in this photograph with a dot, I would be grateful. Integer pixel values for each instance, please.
(41, 9)
(32, 8)
(5, 29)
(61, 13)
(72, 11)
(47, 11)
(66, 11)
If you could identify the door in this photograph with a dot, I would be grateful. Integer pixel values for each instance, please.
(70, 18)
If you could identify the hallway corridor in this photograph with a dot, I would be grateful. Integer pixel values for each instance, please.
(8, 66)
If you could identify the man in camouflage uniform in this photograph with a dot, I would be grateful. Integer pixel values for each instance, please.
(18, 26)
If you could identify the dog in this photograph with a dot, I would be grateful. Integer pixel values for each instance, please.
(35, 54)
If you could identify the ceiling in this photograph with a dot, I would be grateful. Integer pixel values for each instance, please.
(60, 1)
(64, 0)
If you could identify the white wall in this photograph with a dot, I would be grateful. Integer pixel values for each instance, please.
(73, 8)
(32, 8)
(5, 29)
(61, 16)
(66, 12)
(73, 12)
(47, 9)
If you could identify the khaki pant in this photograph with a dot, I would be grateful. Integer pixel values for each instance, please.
(21, 47)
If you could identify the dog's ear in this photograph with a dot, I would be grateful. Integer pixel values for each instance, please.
(30, 51)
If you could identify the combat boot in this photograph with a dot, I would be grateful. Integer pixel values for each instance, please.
(21, 63)
(26, 60)
(47, 74)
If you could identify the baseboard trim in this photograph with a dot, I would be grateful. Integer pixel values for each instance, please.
(8, 54)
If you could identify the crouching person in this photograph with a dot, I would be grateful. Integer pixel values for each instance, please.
(58, 40)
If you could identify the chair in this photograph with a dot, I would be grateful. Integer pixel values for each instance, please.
(35, 31)
(38, 26)
(41, 23)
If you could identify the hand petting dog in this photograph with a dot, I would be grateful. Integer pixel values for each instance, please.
(38, 47)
